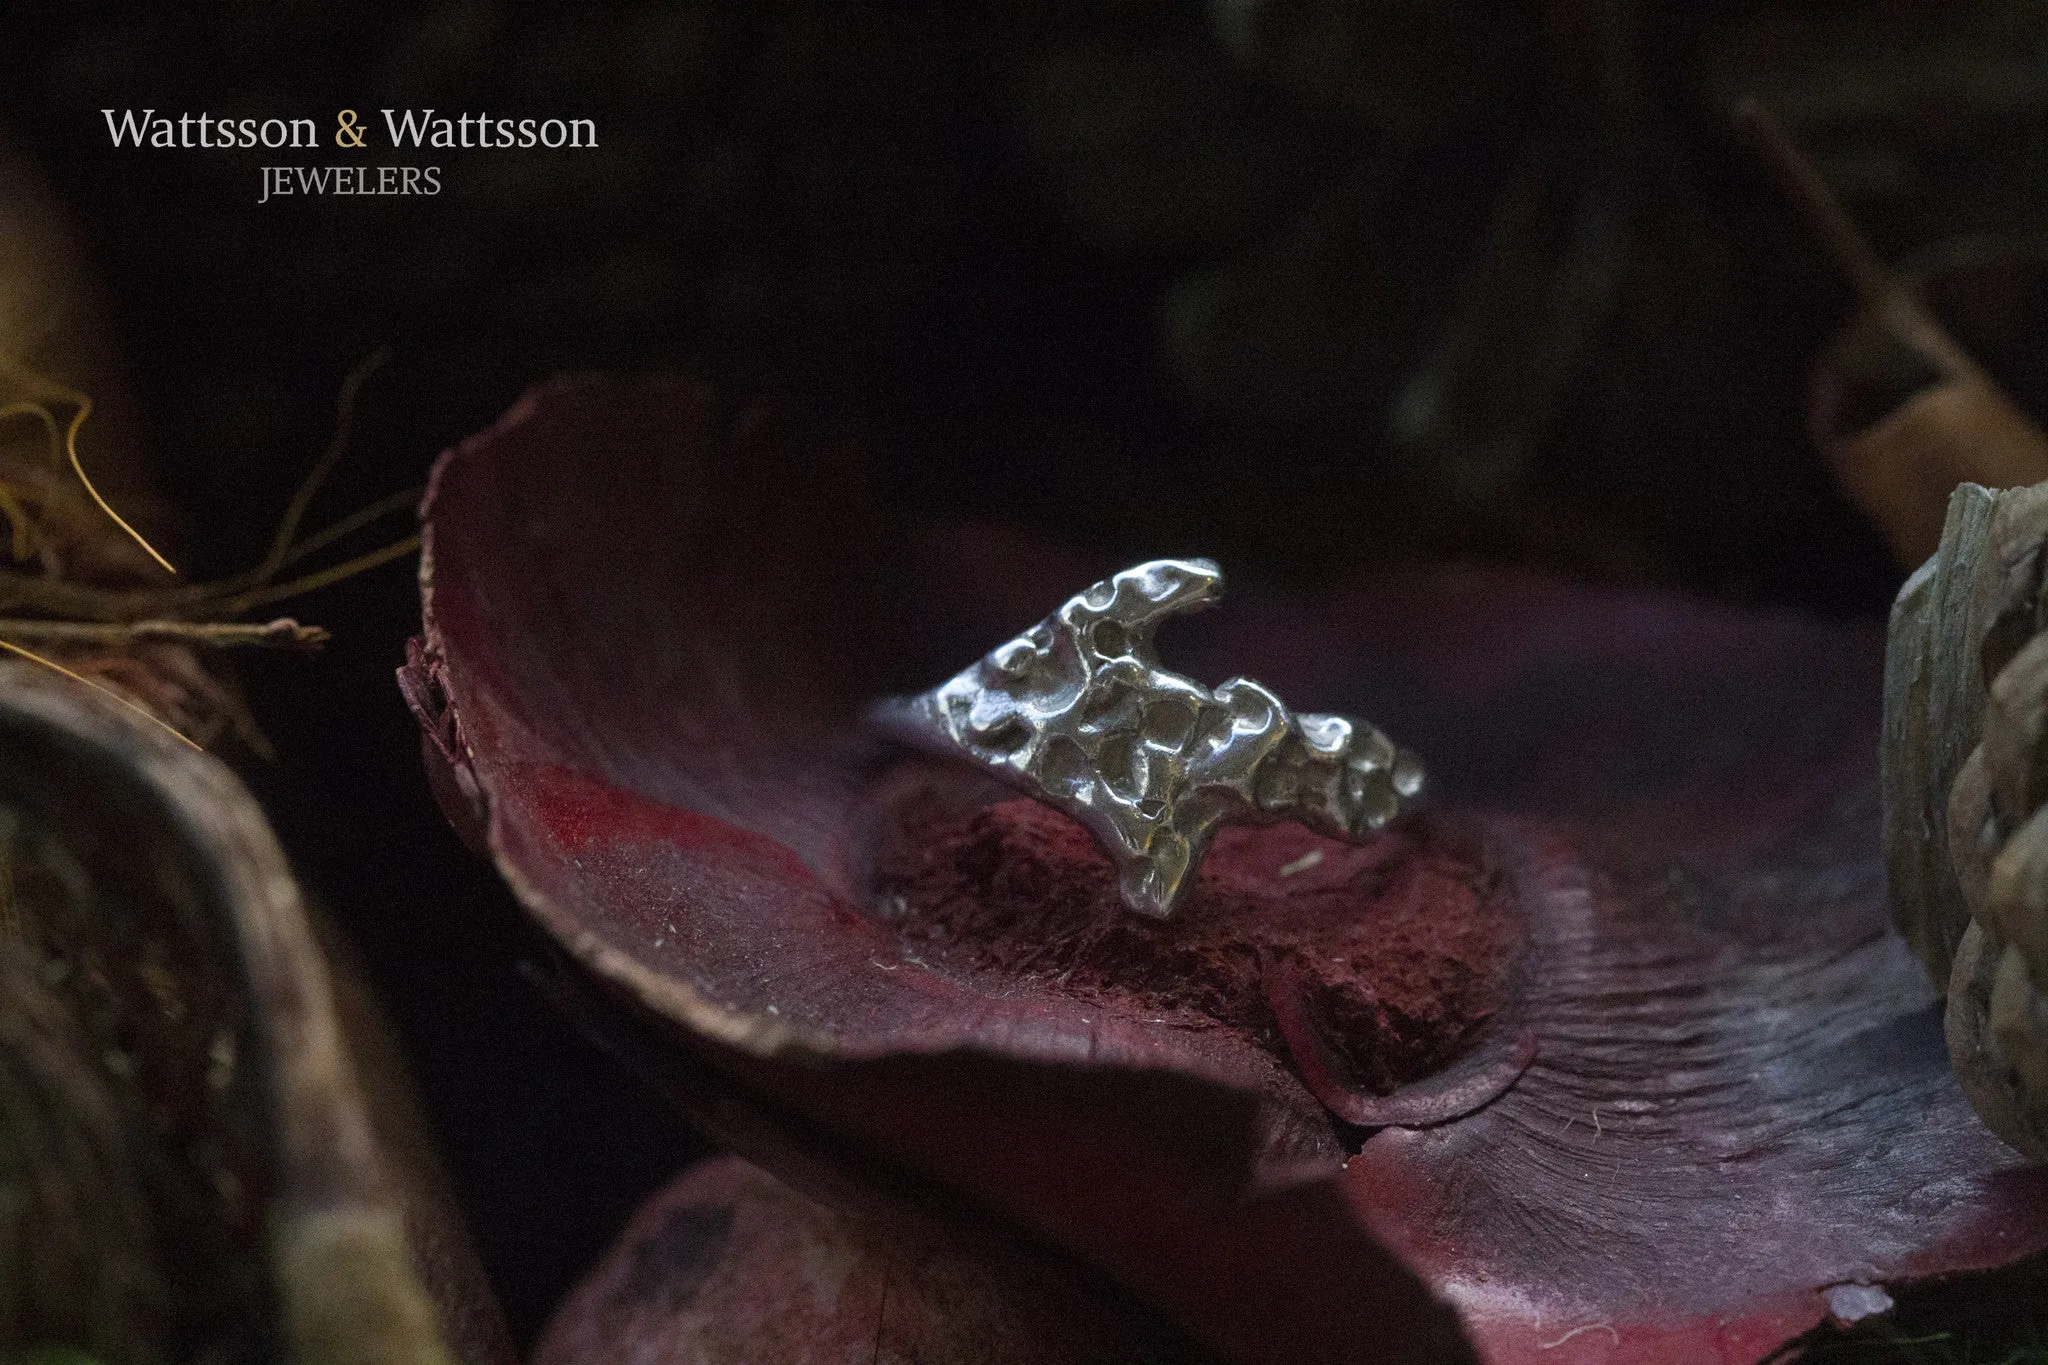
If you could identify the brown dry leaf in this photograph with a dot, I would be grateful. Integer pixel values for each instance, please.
(1959, 428)
(1901, 469)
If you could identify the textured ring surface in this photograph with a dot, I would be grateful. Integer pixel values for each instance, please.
(1078, 712)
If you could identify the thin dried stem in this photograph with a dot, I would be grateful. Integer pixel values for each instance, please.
(355, 521)
(71, 449)
(1888, 297)
(283, 633)
(111, 618)
(344, 422)
(82, 405)
(231, 596)
(85, 601)
(347, 569)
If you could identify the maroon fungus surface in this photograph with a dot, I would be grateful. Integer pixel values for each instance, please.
(1401, 947)
(1664, 1084)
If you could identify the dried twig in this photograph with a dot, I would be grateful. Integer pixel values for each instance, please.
(194, 614)
(282, 633)
(1961, 428)
(1890, 298)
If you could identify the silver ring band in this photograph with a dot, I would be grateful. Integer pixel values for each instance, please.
(1078, 712)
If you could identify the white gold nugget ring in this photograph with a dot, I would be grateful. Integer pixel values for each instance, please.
(1078, 712)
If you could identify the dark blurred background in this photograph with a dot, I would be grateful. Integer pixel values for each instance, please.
(1306, 284)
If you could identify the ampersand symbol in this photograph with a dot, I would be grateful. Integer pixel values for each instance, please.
(348, 134)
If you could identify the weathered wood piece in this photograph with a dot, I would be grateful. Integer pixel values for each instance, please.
(1933, 700)
(1995, 826)
(1965, 771)
(194, 1165)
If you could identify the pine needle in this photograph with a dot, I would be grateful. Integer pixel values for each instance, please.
(139, 710)
(263, 597)
(344, 423)
(355, 521)
(82, 405)
(71, 449)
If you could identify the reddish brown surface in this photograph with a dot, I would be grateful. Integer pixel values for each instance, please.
(650, 627)
(729, 1264)
(1397, 950)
